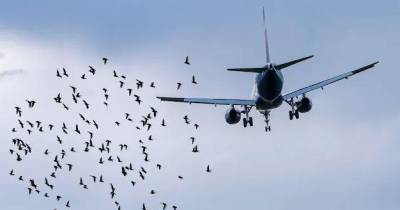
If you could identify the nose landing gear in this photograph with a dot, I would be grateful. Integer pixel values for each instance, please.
(267, 127)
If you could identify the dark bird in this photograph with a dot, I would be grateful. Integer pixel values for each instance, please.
(69, 166)
(180, 177)
(186, 118)
(179, 85)
(73, 89)
(195, 149)
(159, 166)
(152, 192)
(121, 84)
(139, 84)
(83, 76)
(123, 171)
(164, 205)
(94, 178)
(129, 91)
(196, 126)
(86, 104)
(77, 129)
(154, 111)
(58, 198)
(117, 123)
(92, 70)
(192, 138)
(194, 80)
(187, 60)
(143, 207)
(29, 190)
(67, 205)
(137, 99)
(12, 173)
(152, 85)
(31, 103)
(51, 126)
(101, 179)
(208, 169)
(65, 106)
(163, 123)
(65, 72)
(74, 99)
(18, 111)
(133, 183)
(32, 183)
(105, 60)
(115, 74)
(18, 157)
(174, 207)
(58, 98)
(58, 74)
(95, 124)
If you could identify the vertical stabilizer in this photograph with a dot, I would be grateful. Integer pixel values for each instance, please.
(266, 38)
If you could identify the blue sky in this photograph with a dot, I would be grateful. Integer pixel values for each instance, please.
(341, 155)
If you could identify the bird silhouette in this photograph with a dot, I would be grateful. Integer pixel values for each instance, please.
(92, 70)
(194, 80)
(105, 60)
(187, 60)
(178, 85)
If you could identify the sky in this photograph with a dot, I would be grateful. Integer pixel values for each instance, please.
(341, 155)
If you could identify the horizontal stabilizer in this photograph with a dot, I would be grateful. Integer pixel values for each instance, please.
(250, 70)
(287, 64)
(210, 101)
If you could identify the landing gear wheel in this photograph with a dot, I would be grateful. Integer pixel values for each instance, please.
(267, 128)
(290, 115)
(244, 122)
(296, 114)
(251, 121)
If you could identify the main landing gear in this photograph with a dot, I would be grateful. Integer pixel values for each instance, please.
(294, 112)
(247, 120)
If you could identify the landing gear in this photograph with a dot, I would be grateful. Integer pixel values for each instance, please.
(294, 112)
(247, 120)
(267, 127)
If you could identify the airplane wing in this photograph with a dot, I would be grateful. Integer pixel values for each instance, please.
(327, 82)
(210, 101)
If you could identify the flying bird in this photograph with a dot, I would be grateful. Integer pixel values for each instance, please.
(187, 60)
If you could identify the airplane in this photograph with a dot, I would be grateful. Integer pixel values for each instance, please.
(267, 91)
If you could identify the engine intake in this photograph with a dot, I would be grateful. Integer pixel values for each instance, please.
(232, 116)
(304, 105)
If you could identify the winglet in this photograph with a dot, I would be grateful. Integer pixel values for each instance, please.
(365, 67)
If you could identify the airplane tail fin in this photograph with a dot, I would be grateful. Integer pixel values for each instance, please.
(287, 64)
(268, 59)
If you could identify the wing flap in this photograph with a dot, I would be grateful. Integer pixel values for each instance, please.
(250, 70)
(209, 101)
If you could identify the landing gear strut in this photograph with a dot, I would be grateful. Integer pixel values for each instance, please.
(267, 127)
(247, 120)
(294, 112)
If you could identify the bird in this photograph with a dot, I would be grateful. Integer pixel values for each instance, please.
(83, 76)
(187, 60)
(105, 60)
(115, 74)
(196, 126)
(65, 72)
(180, 177)
(69, 166)
(139, 84)
(194, 80)
(164, 205)
(208, 169)
(152, 85)
(154, 111)
(31, 103)
(67, 205)
(179, 85)
(58, 74)
(174, 207)
(163, 123)
(12, 173)
(92, 70)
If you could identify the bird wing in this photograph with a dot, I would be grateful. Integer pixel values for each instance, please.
(210, 101)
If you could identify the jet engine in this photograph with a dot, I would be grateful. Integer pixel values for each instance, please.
(304, 105)
(232, 116)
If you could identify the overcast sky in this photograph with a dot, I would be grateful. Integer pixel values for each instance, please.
(343, 154)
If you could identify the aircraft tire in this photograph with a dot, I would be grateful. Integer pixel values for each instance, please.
(244, 122)
(250, 121)
(290, 115)
(296, 114)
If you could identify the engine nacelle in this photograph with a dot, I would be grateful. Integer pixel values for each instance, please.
(232, 116)
(304, 105)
